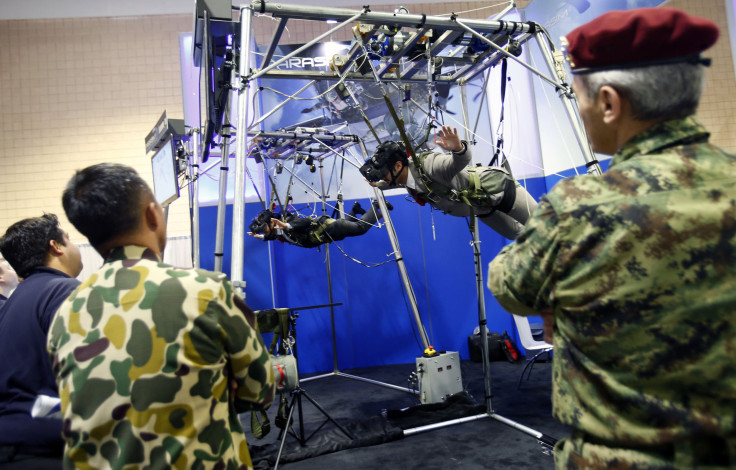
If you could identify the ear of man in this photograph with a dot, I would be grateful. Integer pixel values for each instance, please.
(611, 104)
(55, 248)
(152, 217)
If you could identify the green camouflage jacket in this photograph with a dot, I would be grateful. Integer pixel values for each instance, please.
(639, 267)
(146, 357)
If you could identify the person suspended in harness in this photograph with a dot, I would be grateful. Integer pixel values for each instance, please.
(309, 232)
(448, 183)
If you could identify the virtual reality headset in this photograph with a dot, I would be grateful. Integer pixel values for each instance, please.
(380, 163)
(373, 169)
(261, 221)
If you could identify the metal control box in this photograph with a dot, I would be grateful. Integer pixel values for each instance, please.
(439, 376)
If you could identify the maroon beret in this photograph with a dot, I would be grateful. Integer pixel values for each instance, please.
(637, 38)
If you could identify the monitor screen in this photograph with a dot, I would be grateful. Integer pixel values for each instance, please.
(165, 180)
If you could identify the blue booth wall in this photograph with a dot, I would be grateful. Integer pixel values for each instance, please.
(374, 325)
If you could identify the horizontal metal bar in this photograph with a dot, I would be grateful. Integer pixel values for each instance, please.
(517, 426)
(376, 382)
(387, 18)
(306, 136)
(352, 76)
(443, 424)
(317, 377)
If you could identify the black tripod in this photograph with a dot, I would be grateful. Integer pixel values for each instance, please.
(296, 403)
(282, 322)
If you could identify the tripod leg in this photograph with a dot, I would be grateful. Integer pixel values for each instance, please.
(285, 432)
(322, 410)
(301, 438)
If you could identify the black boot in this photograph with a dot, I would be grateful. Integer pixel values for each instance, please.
(357, 210)
(377, 208)
(389, 206)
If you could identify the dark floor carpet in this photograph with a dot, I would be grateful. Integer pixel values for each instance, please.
(377, 416)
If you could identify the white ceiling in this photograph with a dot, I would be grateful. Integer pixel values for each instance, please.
(36, 9)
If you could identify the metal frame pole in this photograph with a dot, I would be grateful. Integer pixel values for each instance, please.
(193, 187)
(482, 320)
(220, 227)
(222, 198)
(399, 260)
(238, 235)
(323, 196)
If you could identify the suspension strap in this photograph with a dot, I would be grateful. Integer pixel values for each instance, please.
(399, 125)
(274, 193)
(499, 140)
(370, 126)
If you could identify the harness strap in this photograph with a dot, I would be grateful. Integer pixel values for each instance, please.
(260, 426)
(320, 231)
(474, 180)
(280, 419)
(475, 190)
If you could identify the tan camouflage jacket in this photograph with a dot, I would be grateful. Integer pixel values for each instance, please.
(639, 267)
(146, 357)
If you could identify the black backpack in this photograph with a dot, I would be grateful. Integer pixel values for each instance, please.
(500, 347)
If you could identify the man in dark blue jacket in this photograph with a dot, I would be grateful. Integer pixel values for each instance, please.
(41, 254)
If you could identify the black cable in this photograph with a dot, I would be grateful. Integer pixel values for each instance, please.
(424, 20)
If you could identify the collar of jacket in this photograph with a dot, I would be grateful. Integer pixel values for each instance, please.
(663, 135)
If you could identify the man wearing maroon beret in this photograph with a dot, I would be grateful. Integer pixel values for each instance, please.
(634, 271)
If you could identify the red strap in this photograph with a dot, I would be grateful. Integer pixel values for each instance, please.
(280, 381)
(511, 349)
(416, 197)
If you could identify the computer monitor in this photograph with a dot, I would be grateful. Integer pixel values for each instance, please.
(165, 173)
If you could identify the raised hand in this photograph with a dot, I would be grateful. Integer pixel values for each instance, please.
(448, 139)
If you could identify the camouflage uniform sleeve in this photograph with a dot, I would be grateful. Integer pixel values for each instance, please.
(521, 276)
(250, 363)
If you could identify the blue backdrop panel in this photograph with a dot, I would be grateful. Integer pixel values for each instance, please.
(374, 325)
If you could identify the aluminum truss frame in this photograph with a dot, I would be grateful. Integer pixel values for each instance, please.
(426, 68)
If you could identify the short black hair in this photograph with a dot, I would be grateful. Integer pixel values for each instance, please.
(25, 245)
(104, 201)
(391, 152)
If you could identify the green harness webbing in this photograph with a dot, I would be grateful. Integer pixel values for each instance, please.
(317, 234)
(475, 194)
(399, 125)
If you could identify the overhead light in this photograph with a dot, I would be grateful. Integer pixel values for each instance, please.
(331, 21)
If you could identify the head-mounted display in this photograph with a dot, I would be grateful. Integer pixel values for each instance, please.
(380, 163)
(260, 222)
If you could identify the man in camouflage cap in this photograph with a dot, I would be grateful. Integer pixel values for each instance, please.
(153, 362)
(633, 272)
